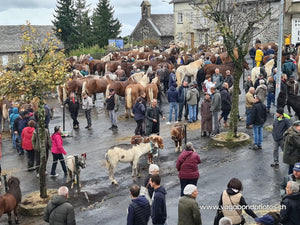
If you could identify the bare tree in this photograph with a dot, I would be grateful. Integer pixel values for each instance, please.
(235, 21)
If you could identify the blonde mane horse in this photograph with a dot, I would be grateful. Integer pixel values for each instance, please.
(188, 70)
(256, 70)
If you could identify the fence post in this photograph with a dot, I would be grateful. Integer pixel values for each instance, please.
(64, 120)
(77, 174)
(5, 182)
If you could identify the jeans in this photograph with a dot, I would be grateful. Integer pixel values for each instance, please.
(173, 105)
(88, 117)
(57, 157)
(139, 127)
(181, 105)
(270, 100)
(216, 129)
(14, 139)
(225, 114)
(184, 182)
(113, 117)
(192, 113)
(248, 113)
(277, 144)
(258, 134)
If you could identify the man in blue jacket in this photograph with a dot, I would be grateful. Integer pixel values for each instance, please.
(139, 208)
(159, 209)
(173, 98)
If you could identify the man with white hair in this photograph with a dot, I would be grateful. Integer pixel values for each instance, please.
(290, 205)
(153, 169)
(59, 210)
(120, 72)
(261, 90)
(188, 209)
(225, 221)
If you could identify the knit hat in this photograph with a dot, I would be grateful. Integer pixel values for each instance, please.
(194, 82)
(297, 167)
(191, 85)
(111, 90)
(296, 123)
(189, 189)
(266, 220)
(280, 111)
(153, 167)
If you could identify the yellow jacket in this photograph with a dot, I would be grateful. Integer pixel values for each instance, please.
(259, 55)
(288, 39)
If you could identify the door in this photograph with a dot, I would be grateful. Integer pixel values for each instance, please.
(192, 40)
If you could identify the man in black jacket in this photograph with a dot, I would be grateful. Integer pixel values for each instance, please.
(159, 209)
(280, 125)
(110, 106)
(290, 205)
(258, 118)
(73, 104)
(139, 208)
(225, 104)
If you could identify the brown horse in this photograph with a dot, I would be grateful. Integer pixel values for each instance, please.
(177, 135)
(120, 86)
(152, 89)
(209, 69)
(132, 92)
(10, 201)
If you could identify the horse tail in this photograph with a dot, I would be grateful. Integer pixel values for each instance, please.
(59, 97)
(106, 66)
(108, 163)
(84, 88)
(65, 94)
(150, 94)
(107, 90)
(128, 98)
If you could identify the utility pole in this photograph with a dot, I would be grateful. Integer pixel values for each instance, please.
(279, 53)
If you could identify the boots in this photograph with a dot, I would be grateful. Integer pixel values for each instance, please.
(226, 124)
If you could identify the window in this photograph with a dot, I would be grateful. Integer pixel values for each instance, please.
(192, 17)
(180, 17)
(180, 36)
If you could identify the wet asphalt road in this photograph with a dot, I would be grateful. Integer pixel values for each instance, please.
(108, 204)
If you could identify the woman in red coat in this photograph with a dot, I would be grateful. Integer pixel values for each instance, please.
(57, 151)
(187, 165)
(27, 144)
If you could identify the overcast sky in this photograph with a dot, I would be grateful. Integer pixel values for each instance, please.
(40, 12)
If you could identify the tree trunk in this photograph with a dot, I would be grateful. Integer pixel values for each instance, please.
(235, 102)
(42, 146)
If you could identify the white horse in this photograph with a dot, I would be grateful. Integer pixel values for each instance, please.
(71, 167)
(256, 70)
(132, 155)
(5, 115)
(188, 70)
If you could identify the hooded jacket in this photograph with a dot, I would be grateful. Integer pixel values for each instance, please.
(59, 212)
(280, 126)
(192, 96)
(290, 213)
(57, 144)
(26, 138)
(138, 211)
(291, 152)
(187, 165)
(13, 116)
(173, 95)
(159, 209)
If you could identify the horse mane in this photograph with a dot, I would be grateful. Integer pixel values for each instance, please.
(13, 184)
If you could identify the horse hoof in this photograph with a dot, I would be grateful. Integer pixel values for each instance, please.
(131, 115)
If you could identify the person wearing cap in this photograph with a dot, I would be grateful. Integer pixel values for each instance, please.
(225, 104)
(290, 204)
(192, 100)
(264, 220)
(153, 169)
(206, 116)
(280, 125)
(295, 176)
(258, 118)
(87, 105)
(188, 209)
(256, 82)
(271, 86)
(288, 67)
(291, 152)
(225, 221)
(292, 90)
(173, 99)
(111, 103)
(261, 90)
(73, 104)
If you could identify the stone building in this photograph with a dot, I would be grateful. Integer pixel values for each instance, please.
(292, 20)
(154, 26)
(194, 29)
(11, 42)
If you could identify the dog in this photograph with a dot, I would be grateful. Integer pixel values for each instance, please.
(72, 172)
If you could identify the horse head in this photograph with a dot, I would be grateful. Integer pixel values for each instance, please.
(246, 65)
(156, 141)
(81, 160)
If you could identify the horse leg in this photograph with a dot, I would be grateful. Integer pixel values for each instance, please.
(16, 215)
(131, 114)
(111, 175)
(2, 123)
(133, 174)
(176, 148)
(180, 145)
(9, 218)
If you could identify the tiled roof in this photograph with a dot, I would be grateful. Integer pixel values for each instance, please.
(164, 23)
